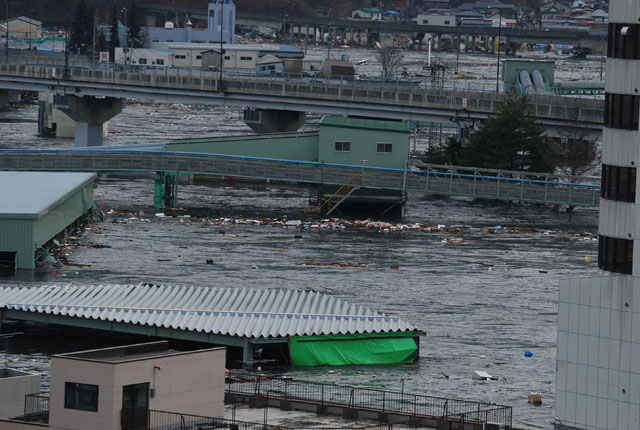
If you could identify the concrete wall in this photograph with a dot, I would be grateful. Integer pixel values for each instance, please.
(55, 123)
(191, 383)
(14, 385)
(16, 425)
(598, 370)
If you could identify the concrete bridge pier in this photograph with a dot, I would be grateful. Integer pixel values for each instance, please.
(4, 98)
(274, 121)
(89, 114)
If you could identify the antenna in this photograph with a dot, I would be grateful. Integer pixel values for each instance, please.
(6, 338)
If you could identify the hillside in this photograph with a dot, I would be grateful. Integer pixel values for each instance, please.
(51, 13)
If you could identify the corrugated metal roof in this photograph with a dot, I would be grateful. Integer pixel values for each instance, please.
(31, 194)
(225, 311)
(370, 124)
(264, 47)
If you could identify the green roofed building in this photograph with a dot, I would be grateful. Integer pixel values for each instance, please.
(35, 207)
(357, 142)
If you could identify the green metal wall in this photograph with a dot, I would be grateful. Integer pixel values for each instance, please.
(24, 235)
(364, 142)
(286, 146)
(65, 212)
(16, 235)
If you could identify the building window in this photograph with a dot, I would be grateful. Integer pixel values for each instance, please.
(618, 183)
(621, 111)
(160, 62)
(246, 58)
(226, 57)
(615, 255)
(384, 148)
(343, 146)
(624, 41)
(447, 22)
(180, 57)
(142, 61)
(83, 397)
(198, 57)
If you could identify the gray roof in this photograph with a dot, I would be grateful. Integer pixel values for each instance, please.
(226, 311)
(31, 194)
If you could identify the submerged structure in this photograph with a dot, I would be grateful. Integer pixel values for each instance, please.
(355, 142)
(598, 371)
(304, 328)
(37, 207)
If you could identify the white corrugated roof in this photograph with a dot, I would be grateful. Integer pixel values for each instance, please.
(226, 311)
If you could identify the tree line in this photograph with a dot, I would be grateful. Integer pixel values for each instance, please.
(87, 39)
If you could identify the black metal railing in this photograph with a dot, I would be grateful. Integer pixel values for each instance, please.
(36, 408)
(410, 405)
(156, 420)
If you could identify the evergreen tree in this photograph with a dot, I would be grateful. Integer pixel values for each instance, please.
(135, 29)
(81, 29)
(449, 153)
(101, 42)
(114, 39)
(510, 139)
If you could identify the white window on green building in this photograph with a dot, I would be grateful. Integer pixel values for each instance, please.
(343, 146)
(384, 148)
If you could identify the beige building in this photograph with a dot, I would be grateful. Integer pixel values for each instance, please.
(116, 388)
(23, 28)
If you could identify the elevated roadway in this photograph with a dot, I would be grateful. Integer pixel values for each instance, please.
(440, 180)
(373, 99)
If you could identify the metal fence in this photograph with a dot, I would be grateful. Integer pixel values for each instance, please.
(410, 405)
(36, 408)
(433, 179)
(160, 420)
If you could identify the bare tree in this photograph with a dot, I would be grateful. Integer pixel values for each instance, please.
(575, 151)
(390, 58)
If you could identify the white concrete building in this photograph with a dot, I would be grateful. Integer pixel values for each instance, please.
(436, 18)
(598, 355)
(145, 57)
(23, 28)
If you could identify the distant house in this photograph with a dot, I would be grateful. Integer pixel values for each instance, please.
(392, 16)
(472, 19)
(144, 57)
(270, 65)
(436, 18)
(23, 28)
(338, 68)
(369, 13)
(600, 16)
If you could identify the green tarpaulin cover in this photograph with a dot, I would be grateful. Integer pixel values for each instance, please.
(365, 348)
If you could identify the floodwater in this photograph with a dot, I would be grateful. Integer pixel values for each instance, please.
(482, 301)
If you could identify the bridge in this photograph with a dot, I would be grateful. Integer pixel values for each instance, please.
(92, 93)
(433, 179)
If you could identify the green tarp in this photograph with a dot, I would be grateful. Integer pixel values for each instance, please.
(366, 348)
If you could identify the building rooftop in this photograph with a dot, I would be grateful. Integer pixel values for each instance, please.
(225, 311)
(264, 47)
(32, 194)
(122, 354)
(370, 124)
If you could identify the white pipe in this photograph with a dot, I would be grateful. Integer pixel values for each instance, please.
(429, 52)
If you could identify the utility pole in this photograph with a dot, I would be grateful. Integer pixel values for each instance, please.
(498, 63)
(221, 43)
(66, 39)
(95, 22)
(6, 48)
(126, 37)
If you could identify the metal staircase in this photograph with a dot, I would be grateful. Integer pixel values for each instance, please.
(353, 183)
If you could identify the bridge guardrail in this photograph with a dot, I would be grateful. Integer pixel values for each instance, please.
(398, 93)
(434, 179)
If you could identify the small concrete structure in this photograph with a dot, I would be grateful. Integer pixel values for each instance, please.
(35, 207)
(14, 386)
(274, 121)
(90, 114)
(269, 65)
